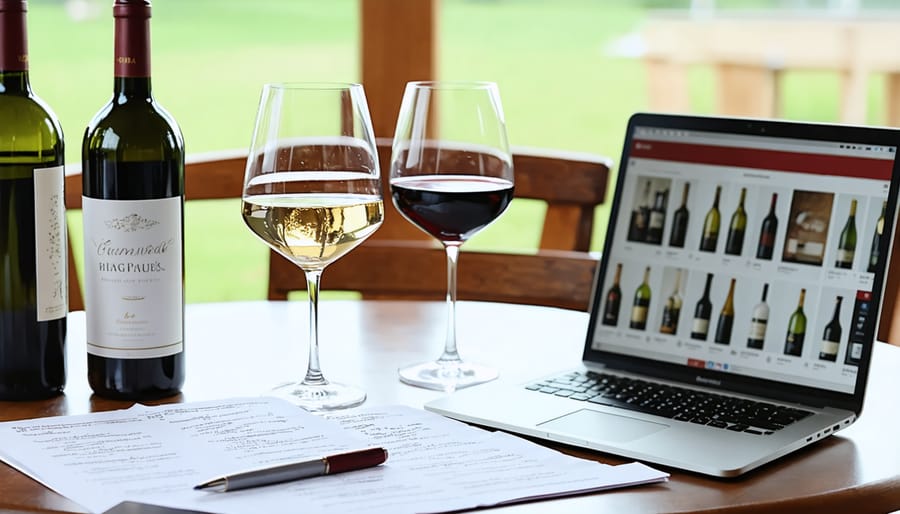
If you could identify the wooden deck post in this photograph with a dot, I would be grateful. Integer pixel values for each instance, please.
(397, 45)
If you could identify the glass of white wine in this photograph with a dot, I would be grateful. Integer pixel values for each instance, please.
(312, 192)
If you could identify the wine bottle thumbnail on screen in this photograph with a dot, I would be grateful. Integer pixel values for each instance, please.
(796, 332)
(672, 309)
(680, 220)
(831, 338)
(766, 246)
(734, 241)
(759, 322)
(657, 221)
(847, 242)
(640, 216)
(726, 318)
(875, 252)
(702, 312)
(710, 236)
(641, 304)
(613, 302)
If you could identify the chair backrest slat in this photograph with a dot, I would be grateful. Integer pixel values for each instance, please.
(405, 264)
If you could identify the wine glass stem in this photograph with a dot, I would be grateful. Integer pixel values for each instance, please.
(313, 371)
(450, 355)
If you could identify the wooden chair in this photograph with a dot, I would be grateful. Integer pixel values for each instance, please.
(401, 262)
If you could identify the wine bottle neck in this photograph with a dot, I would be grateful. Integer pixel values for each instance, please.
(837, 308)
(14, 50)
(14, 82)
(126, 88)
(132, 49)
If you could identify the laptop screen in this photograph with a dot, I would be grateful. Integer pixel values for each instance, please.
(747, 254)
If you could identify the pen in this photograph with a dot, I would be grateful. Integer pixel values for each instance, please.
(338, 463)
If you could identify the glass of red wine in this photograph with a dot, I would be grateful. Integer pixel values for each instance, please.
(451, 176)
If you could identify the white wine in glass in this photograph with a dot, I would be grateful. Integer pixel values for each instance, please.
(312, 192)
(451, 176)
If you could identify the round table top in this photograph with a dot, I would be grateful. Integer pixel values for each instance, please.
(245, 348)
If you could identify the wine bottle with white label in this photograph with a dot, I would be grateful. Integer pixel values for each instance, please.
(759, 322)
(847, 242)
(702, 312)
(657, 220)
(831, 337)
(33, 280)
(133, 180)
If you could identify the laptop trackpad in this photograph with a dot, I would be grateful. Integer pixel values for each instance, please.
(591, 424)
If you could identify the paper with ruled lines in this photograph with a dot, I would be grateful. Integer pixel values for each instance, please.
(157, 454)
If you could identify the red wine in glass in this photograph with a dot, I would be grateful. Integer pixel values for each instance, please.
(452, 208)
(451, 176)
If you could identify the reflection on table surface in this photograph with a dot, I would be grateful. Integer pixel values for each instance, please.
(245, 348)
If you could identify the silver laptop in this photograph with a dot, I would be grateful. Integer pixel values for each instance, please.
(736, 302)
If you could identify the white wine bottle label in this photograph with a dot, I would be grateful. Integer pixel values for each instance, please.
(830, 347)
(133, 277)
(701, 326)
(639, 313)
(845, 255)
(757, 329)
(50, 244)
(656, 220)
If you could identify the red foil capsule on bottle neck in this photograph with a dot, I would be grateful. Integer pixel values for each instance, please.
(132, 50)
(13, 42)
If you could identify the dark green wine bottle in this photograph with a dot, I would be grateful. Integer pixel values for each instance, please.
(847, 243)
(133, 165)
(831, 336)
(875, 253)
(711, 225)
(33, 258)
(680, 220)
(734, 242)
(641, 304)
(613, 300)
(726, 318)
(796, 332)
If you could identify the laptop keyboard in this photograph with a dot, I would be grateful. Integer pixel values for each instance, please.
(671, 402)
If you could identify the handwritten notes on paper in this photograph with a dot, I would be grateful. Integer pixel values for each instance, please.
(157, 454)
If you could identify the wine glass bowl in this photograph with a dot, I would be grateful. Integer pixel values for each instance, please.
(451, 176)
(312, 193)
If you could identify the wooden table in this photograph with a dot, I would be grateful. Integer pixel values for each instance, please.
(242, 348)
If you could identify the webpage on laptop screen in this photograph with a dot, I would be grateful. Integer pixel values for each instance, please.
(747, 254)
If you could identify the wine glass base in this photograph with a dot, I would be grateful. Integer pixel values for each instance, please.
(446, 376)
(330, 396)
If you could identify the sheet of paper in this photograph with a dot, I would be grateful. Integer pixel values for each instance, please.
(156, 455)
